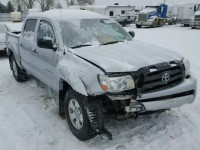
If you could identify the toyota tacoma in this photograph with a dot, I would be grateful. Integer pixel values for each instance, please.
(95, 67)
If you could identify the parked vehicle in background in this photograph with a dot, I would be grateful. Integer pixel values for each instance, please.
(154, 16)
(122, 14)
(16, 16)
(195, 23)
(185, 12)
(3, 30)
(95, 67)
(171, 15)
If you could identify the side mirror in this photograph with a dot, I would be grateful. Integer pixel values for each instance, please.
(132, 33)
(46, 43)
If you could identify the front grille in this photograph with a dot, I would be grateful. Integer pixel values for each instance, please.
(143, 17)
(197, 18)
(150, 78)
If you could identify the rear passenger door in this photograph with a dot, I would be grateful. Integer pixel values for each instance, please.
(27, 44)
(44, 57)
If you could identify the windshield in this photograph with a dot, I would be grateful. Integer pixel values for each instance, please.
(92, 32)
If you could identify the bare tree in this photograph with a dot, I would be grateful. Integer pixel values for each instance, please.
(84, 2)
(24, 4)
(71, 2)
(28, 3)
(58, 5)
(46, 4)
(79, 2)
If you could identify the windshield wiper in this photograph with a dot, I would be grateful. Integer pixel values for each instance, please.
(112, 42)
(81, 45)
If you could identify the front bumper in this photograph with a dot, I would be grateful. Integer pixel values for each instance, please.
(146, 23)
(195, 24)
(2, 46)
(177, 96)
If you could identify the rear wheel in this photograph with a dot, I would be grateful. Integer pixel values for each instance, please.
(18, 73)
(155, 24)
(138, 26)
(76, 115)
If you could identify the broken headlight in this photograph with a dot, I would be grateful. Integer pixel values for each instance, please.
(116, 84)
(187, 67)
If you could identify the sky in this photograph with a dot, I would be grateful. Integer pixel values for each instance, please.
(142, 2)
(129, 2)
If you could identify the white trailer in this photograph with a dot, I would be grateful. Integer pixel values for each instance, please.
(185, 14)
(185, 11)
(122, 14)
(16, 16)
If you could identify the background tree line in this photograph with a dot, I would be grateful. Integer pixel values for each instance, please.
(6, 9)
(24, 5)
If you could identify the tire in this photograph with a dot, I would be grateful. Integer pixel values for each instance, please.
(18, 73)
(138, 26)
(76, 115)
(155, 24)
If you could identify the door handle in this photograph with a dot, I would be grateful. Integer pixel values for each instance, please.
(35, 51)
(21, 44)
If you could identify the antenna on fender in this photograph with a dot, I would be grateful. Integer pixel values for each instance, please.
(62, 30)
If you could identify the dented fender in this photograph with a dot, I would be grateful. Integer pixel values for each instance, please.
(80, 74)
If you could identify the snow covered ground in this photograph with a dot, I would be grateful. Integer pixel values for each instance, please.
(29, 118)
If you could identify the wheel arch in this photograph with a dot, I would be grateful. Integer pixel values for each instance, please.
(64, 86)
(11, 53)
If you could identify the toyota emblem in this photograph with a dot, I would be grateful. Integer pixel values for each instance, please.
(166, 77)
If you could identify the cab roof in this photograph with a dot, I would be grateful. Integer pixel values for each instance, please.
(67, 14)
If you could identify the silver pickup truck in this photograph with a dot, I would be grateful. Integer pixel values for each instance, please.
(96, 67)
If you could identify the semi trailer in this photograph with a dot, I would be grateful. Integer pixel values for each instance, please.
(154, 16)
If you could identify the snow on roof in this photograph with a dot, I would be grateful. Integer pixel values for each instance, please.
(66, 14)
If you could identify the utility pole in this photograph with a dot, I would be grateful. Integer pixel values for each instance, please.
(164, 1)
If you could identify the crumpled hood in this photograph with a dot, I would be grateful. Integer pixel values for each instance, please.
(2, 37)
(126, 57)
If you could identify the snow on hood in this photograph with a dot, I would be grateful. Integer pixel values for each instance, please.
(14, 26)
(128, 56)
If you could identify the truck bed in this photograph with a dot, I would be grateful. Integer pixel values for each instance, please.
(12, 43)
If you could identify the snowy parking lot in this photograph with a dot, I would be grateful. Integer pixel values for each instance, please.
(29, 118)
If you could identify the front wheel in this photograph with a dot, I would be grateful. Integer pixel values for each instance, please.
(76, 115)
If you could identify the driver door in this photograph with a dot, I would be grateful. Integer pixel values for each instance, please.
(44, 57)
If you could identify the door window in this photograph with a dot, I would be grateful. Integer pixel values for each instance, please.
(45, 32)
(29, 28)
(123, 12)
(111, 13)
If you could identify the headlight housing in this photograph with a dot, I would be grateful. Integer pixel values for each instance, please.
(116, 84)
(187, 67)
